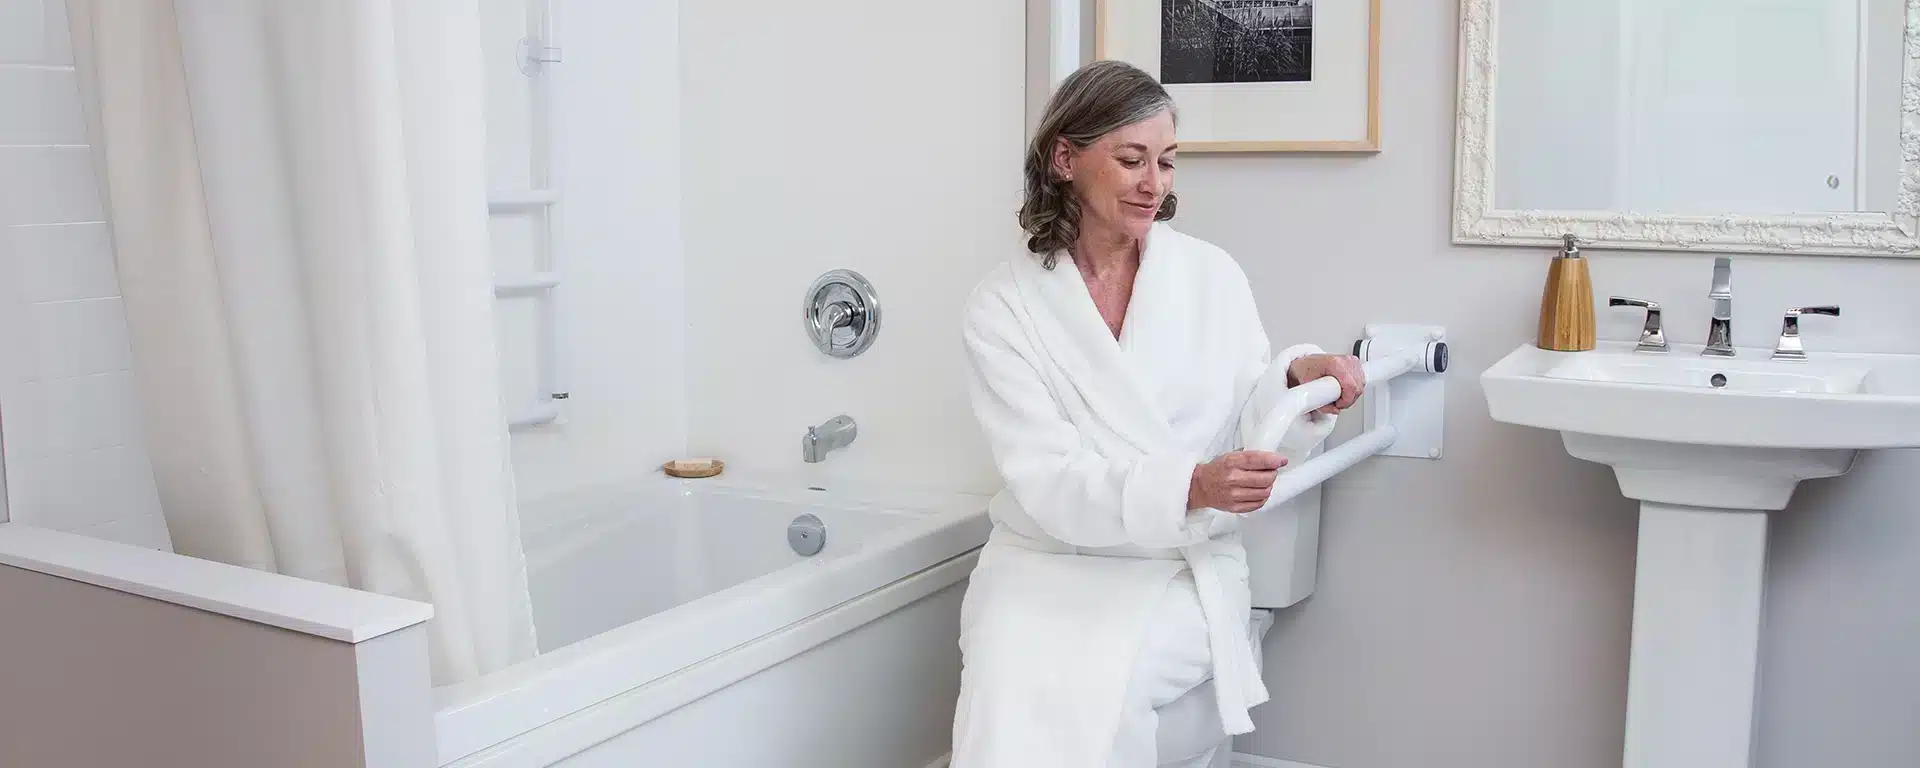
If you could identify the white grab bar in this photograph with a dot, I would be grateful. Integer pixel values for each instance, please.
(1303, 399)
(1311, 395)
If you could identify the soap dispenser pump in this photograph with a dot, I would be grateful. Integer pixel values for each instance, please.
(1566, 307)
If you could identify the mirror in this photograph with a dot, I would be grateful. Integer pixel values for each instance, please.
(1726, 125)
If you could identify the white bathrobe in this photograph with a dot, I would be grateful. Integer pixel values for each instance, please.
(1097, 440)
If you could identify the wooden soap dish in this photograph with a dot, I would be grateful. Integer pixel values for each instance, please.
(693, 468)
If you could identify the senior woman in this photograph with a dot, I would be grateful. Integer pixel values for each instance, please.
(1112, 371)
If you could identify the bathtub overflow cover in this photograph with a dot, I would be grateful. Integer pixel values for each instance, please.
(807, 535)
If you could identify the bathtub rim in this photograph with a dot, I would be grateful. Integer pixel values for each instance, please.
(479, 714)
(584, 515)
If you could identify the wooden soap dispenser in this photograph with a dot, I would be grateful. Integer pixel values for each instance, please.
(1566, 307)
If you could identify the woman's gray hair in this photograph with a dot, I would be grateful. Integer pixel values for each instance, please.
(1100, 98)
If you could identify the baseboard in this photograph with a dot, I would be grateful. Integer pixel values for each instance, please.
(1243, 760)
(1239, 761)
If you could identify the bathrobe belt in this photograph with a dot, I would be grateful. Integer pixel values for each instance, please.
(1236, 685)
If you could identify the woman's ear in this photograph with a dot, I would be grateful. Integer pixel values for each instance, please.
(1062, 160)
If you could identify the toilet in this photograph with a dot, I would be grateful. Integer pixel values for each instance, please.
(1283, 557)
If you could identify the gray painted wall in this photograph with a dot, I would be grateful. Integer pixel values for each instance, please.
(1474, 612)
(92, 676)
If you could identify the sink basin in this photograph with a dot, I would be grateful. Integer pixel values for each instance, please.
(1731, 375)
(1708, 445)
(1845, 401)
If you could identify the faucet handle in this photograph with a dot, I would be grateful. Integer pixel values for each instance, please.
(1652, 338)
(1789, 347)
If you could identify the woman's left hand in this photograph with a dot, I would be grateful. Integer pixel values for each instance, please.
(1343, 368)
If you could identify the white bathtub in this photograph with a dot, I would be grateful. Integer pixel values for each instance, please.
(679, 628)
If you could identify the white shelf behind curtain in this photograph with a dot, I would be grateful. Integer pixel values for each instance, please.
(525, 202)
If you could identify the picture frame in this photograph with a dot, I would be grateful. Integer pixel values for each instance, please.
(1256, 75)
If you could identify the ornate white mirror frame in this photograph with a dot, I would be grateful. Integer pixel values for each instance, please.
(1476, 221)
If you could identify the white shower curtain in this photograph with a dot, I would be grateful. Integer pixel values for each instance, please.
(296, 191)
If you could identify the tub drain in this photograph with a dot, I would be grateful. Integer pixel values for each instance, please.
(807, 535)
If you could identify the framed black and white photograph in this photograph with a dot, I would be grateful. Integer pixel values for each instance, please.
(1236, 41)
(1256, 75)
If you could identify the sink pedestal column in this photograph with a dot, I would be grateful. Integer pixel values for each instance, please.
(1698, 579)
(1697, 590)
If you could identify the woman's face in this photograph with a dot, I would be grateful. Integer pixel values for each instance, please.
(1121, 179)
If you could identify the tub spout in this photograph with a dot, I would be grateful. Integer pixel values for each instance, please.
(819, 441)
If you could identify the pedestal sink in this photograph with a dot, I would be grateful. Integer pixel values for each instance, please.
(1709, 446)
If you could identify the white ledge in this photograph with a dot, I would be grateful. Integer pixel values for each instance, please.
(300, 605)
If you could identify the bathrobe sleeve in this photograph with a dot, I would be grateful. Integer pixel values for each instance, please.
(1075, 493)
(1263, 382)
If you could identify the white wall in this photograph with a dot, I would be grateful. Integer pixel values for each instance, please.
(880, 136)
(75, 460)
(617, 156)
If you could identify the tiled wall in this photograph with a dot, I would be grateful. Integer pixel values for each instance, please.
(74, 455)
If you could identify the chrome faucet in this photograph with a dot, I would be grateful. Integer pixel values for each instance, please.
(1720, 330)
(1653, 338)
(831, 436)
(1789, 347)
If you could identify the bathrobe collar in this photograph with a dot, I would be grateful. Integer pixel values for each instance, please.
(1099, 366)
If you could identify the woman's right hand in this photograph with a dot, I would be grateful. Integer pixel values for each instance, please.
(1239, 481)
